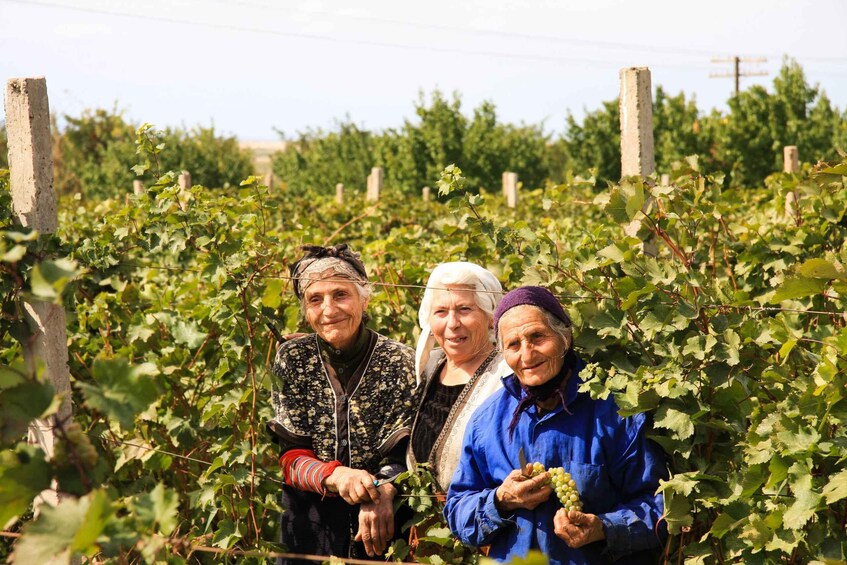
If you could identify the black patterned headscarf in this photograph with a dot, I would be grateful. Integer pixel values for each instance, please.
(340, 259)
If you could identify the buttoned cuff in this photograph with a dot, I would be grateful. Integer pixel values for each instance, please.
(617, 538)
(490, 519)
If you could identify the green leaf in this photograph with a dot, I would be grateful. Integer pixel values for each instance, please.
(226, 535)
(188, 333)
(723, 524)
(157, 510)
(23, 475)
(820, 269)
(120, 391)
(798, 287)
(674, 420)
(805, 503)
(50, 277)
(835, 489)
(13, 255)
(19, 405)
(62, 531)
(272, 297)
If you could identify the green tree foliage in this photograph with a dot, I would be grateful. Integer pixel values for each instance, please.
(94, 153)
(415, 155)
(749, 140)
(596, 143)
(746, 143)
(319, 160)
(676, 129)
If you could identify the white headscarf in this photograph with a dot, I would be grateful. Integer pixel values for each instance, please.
(488, 295)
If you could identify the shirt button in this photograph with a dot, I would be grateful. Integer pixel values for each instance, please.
(344, 442)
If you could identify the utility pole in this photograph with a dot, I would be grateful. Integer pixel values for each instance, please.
(736, 61)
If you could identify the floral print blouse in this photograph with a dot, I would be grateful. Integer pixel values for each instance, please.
(312, 408)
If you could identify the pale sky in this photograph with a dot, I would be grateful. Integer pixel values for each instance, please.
(249, 66)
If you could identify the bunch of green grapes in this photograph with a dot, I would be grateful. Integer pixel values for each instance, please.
(563, 484)
(75, 445)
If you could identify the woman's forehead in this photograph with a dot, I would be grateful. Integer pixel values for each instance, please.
(521, 319)
(331, 283)
(453, 293)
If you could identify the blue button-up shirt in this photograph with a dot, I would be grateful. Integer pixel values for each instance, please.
(615, 467)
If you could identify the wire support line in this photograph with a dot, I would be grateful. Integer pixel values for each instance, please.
(325, 38)
(259, 474)
(483, 291)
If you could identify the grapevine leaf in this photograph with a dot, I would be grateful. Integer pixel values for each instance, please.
(188, 334)
(157, 510)
(23, 475)
(835, 489)
(121, 392)
(756, 532)
(226, 535)
(272, 296)
(59, 532)
(723, 524)
(805, 503)
(820, 269)
(674, 420)
(50, 277)
(21, 404)
(798, 287)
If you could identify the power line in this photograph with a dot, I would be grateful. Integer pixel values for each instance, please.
(674, 50)
(331, 39)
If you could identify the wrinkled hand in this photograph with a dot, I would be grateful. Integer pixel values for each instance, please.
(376, 522)
(519, 490)
(355, 486)
(578, 529)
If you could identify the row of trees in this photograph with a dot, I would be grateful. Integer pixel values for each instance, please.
(745, 142)
(93, 153)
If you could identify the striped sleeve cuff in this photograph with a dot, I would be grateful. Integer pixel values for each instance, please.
(303, 471)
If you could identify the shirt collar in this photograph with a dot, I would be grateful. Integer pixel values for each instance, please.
(345, 356)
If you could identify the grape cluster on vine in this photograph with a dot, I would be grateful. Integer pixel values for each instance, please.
(563, 485)
(74, 444)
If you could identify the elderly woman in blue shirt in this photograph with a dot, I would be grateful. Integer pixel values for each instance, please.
(493, 501)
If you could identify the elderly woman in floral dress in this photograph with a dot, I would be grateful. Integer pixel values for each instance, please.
(343, 399)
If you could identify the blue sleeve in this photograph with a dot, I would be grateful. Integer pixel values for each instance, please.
(470, 510)
(635, 524)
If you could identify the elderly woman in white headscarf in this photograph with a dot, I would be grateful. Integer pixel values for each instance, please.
(457, 316)
(343, 399)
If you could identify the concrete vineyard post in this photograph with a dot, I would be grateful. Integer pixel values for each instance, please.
(34, 204)
(375, 184)
(636, 109)
(510, 188)
(339, 193)
(791, 159)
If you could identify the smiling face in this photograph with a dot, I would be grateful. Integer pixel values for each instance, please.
(334, 309)
(459, 325)
(533, 350)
